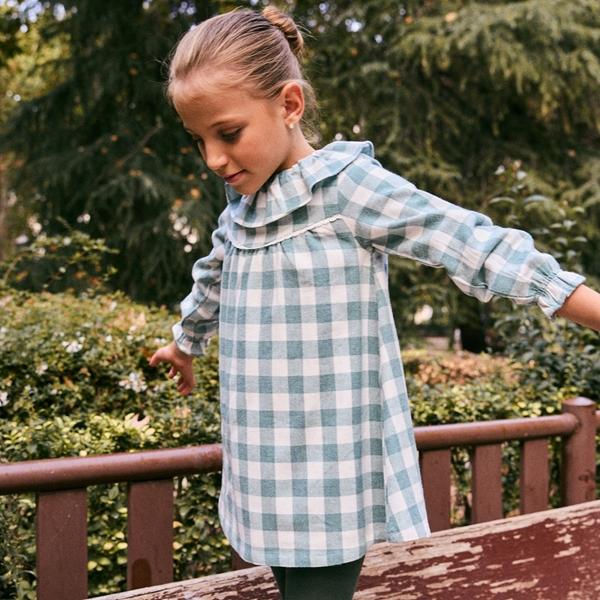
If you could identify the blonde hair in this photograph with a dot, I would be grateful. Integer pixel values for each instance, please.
(262, 49)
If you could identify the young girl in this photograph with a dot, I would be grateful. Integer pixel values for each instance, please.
(319, 458)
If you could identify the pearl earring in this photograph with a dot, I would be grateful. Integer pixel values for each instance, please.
(291, 126)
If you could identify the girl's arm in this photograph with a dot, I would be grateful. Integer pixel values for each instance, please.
(582, 307)
(199, 315)
(200, 309)
(388, 213)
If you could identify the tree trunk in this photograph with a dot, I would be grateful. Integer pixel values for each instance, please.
(4, 196)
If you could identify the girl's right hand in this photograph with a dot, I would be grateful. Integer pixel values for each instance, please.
(180, 362)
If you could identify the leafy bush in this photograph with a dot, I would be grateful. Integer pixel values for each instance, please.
(457, 388)
(454, 388)
(75, 381)
(73, 262)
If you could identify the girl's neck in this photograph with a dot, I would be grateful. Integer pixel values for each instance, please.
(300, 149)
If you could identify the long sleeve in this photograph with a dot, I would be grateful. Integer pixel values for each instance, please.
(200, 309)
(393, 216)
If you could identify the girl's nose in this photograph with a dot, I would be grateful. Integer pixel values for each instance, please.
(214, 157)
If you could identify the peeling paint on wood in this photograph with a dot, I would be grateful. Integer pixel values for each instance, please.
(552, 555)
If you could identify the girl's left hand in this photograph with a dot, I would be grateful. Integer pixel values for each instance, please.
(180, 362)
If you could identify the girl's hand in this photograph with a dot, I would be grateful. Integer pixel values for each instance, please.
(582, 307)
(180, 363)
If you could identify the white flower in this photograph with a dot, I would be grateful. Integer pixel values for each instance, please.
(41, 368)
(134, 381)
(108, 338)
(72, 347)
(3, 398)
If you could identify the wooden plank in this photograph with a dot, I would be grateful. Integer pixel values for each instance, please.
(487, 483)
(553, 555)
(61, 546)
(436, 471)
(534, 476)
(150, 533)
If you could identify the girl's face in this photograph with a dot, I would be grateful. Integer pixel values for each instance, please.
(242, 138)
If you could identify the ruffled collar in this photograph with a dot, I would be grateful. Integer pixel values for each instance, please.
(293, 188)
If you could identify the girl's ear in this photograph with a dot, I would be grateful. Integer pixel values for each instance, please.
(292, 100)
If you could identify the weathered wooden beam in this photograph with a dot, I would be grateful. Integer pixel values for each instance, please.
(533, 476)
(550, 555)
(436, 471)
(487, 483)
(578, 467)
(150, 533)
(61, 556)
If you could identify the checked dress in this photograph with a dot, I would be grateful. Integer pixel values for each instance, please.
(318, 448)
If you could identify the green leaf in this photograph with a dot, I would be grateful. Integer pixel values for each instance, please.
(503, 199)
(535, 198)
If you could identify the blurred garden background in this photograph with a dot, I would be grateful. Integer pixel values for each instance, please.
(105, 204)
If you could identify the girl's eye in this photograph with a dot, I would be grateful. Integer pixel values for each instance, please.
(231, 136)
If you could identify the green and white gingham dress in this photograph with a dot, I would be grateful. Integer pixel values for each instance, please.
(319, 453)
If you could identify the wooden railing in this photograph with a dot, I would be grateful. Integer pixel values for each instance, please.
(577, 425)
(62, 506)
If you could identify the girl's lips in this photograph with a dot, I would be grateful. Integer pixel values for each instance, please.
(230, 179)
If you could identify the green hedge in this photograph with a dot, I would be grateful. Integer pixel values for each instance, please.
(75, 381)
(551, 362)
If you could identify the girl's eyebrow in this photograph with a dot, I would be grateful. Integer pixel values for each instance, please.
(223, 122)
(213, 125)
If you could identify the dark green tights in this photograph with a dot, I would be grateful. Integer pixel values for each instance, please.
(318, 583)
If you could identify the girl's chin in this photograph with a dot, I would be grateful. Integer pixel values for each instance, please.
(246, 188)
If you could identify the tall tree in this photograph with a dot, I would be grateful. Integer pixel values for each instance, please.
(446, 89)
(104, 152)
(20, 49)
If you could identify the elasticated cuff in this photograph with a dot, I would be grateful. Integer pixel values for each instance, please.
(188, 345)
(558, 290)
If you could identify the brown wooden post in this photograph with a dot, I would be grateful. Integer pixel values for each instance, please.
(436, 471)
(578, 475)
(61, 532)
(487, 483)
(149, 533)
(534, 477)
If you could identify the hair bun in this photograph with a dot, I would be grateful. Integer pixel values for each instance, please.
(287, 26)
